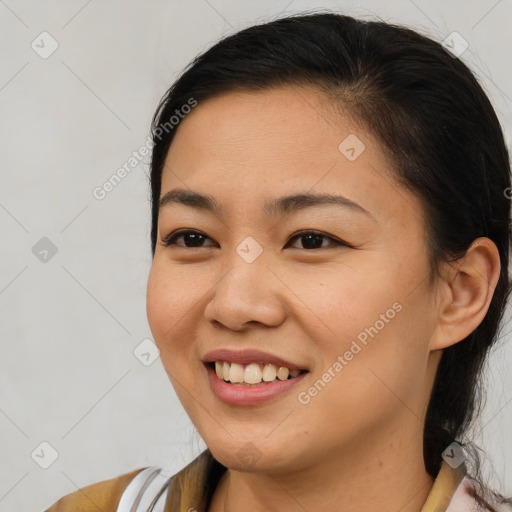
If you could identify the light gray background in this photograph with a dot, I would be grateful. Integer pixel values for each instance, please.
(70, 325)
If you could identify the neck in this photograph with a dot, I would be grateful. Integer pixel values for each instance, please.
(364, 476)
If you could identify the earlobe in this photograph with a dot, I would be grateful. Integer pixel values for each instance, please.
(467, 293)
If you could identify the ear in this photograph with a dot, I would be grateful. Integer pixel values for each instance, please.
(466, 292)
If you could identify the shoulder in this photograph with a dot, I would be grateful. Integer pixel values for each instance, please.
(104, 495)
(154, 488)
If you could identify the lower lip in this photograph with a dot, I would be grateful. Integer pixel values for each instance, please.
(234, 394)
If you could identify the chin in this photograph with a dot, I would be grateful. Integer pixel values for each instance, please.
(253, 456)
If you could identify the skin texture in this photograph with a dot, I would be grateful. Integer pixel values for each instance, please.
(357, 445)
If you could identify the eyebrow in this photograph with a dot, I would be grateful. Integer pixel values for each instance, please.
(274, 207)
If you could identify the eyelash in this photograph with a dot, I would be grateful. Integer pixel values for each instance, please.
(171, 239)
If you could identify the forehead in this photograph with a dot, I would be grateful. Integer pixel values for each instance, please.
(243, 145)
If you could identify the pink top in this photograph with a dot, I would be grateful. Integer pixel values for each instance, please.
(451, 492)
(461, 500)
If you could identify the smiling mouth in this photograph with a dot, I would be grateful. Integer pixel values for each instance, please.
(252, 374)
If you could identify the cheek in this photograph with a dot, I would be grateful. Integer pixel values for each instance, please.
(158, 304)
(169, 307)
(170, 313)
(342, 303)
(372, 323)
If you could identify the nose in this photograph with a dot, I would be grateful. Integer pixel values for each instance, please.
(247, 293)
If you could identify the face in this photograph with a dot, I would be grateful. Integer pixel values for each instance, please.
(336, 291)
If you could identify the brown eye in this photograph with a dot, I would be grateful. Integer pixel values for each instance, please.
(314, 240)
(192, 239)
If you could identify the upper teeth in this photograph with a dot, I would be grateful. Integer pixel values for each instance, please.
(252, 373)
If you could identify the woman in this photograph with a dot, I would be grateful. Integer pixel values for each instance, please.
(330, 238)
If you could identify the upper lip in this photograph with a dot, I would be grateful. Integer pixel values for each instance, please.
(248, 356)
